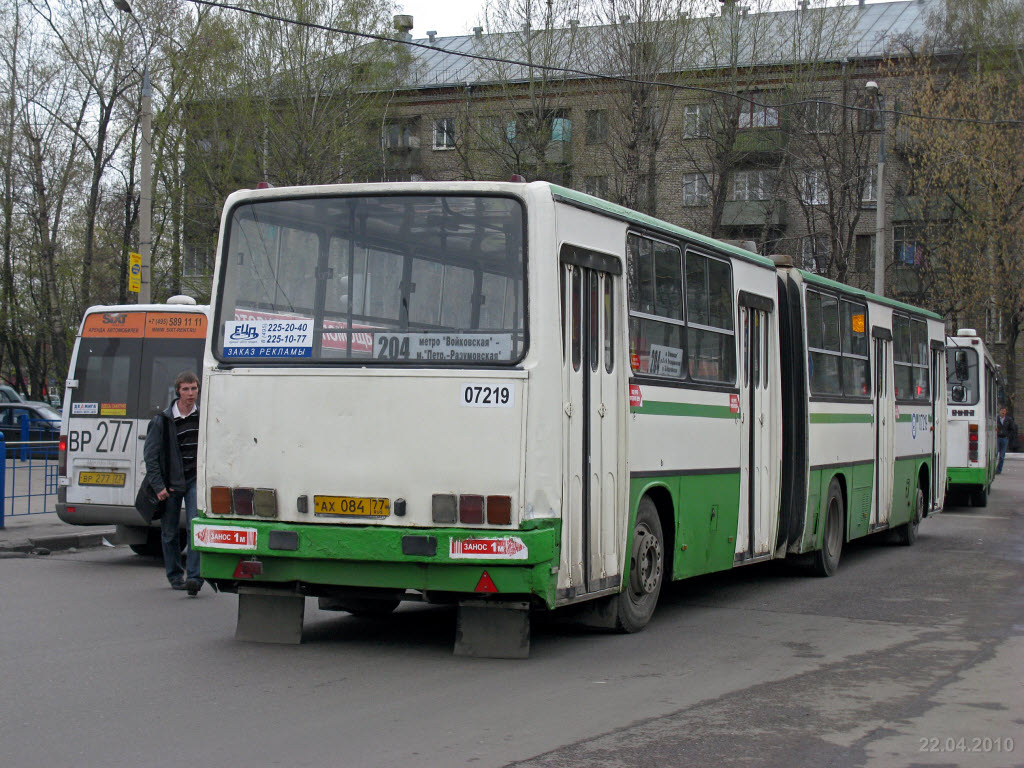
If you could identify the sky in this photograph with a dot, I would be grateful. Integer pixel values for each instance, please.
(458, 17)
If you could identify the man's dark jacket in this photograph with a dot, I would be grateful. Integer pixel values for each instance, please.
(164, 468)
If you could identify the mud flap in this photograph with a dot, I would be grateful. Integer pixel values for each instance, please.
(493, 630)
(269, 616)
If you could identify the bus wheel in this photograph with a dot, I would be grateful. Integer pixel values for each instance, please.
(906, 534)
(364, 608)
(979, 498)
(826, 559)
(153, 546)
(646, 571)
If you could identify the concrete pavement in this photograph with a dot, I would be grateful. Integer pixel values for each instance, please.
(43, 533)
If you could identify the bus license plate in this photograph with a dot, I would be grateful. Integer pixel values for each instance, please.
(354, 506)
(101, 478)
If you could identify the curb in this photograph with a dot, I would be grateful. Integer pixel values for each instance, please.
(44, 545)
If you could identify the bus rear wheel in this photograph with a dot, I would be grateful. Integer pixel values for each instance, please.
(826, 559)
(906, 534)
(637, 601)
(979, 498)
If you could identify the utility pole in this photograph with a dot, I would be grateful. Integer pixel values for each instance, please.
(146, 180)
(872, 88)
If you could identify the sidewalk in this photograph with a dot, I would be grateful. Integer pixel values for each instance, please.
(44, 533)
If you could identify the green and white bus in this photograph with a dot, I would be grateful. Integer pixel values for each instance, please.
(972, 411)
(516, 397)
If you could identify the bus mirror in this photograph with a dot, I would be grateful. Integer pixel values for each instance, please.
(961, 367)
(958, 394)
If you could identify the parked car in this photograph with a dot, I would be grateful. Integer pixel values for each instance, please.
(9, 395)
(43, 425)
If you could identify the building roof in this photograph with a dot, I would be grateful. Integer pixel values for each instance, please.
(861, 32)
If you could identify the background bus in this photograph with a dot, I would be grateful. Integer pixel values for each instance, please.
(529, 397)
(972, 411)
(122, 373)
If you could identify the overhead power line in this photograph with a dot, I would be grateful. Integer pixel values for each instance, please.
(596, 75)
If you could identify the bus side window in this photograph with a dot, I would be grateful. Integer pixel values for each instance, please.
(609, 325)
(577, 299)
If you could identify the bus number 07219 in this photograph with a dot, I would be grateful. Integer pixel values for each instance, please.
(483, 396)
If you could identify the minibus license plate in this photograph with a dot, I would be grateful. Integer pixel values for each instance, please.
(101, 478)
(354, 506)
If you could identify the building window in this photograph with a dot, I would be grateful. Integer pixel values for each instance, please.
(561, 129)
(818, 117)
(754, 114)
(869, 184)
(695, 189)
(994, 324)
(444, 133)
(815, 190)
(597, 126)
(696, 121)
(752, 184)
(398, 136)
(814, 253)
(864, 254)
(596, 186)
(907, 246)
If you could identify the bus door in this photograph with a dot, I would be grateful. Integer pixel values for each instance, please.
(591, 289)
(885, 426)
(755, 532)
(938, 426)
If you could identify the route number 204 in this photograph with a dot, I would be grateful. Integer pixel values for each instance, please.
(488, 395)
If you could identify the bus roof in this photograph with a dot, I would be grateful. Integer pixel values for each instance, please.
(588, 201)
(810, 277)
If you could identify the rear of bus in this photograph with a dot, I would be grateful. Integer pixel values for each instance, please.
(970, 427)
(122, 373)
(366, 399)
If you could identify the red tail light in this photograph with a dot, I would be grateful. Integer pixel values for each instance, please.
(471, 509)
(62, 456)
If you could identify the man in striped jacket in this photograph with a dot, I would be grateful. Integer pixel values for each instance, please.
(172, 443)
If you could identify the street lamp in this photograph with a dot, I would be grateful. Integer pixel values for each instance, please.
(146, 193)
(872, 88)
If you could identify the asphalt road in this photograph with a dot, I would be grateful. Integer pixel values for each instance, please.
(907, 657)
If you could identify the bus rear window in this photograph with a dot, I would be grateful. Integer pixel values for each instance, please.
(132, 377)
(962, 382)
(107, 373)
(417, 278)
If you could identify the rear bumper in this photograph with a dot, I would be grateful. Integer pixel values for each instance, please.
(383, 557)
(967, 476)
(103, 514)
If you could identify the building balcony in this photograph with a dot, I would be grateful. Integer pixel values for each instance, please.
(754, 213)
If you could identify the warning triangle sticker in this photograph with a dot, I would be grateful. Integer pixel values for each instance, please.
(485, 584)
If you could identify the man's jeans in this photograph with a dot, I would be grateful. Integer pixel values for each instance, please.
(1004, 443)
(169, 536)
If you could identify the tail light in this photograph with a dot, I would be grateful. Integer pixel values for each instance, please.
(62, 456)
(241, 500)
(220, 500)
(471, 509)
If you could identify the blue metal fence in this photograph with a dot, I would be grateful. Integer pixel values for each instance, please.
(28, 477)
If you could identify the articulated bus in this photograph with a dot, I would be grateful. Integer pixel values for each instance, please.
(122, 374)
(972, 411)
(516, 396)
